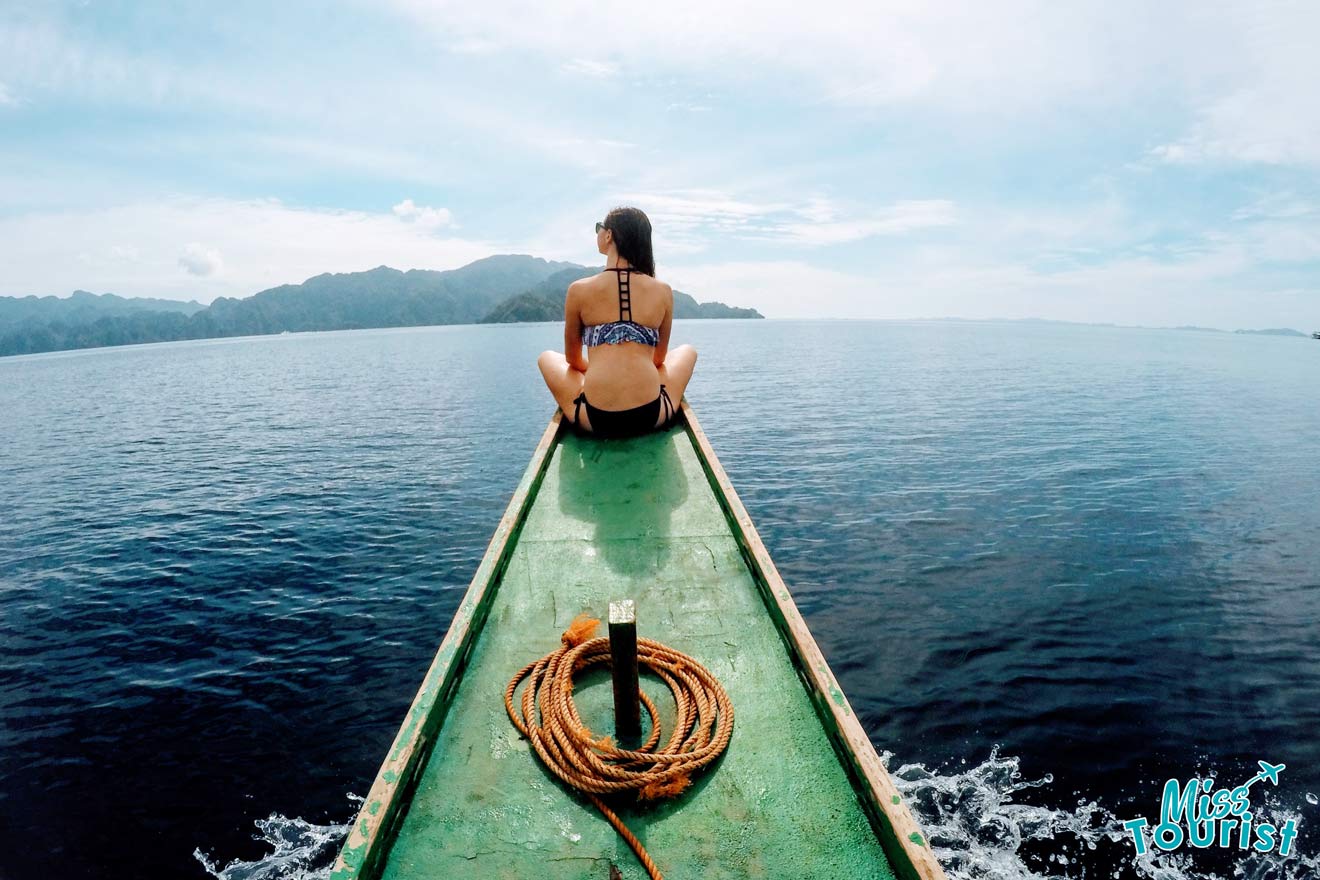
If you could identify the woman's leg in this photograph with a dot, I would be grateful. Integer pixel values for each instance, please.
(674, 375)
(564, 382)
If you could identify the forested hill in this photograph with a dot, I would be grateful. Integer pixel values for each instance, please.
(381, 297)
(83, 306)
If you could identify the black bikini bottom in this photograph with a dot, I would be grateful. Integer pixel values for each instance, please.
(623, 422)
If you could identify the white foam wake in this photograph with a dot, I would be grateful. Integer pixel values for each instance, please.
(978, 831)
(301, 850)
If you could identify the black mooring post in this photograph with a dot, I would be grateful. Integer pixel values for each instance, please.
(623, 660)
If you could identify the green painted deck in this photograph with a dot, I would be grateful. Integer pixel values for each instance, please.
(634, 519)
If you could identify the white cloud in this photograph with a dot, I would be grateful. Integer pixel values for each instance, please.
(591, 67)
(692, 220)
(689, 106)
(264, 243)
(310, 113)
(408, 160)
(8, 98)
(1016, 54)
(689, 223)
(1239, 72)
(1092, 264)
(780, 288)
(1174, 153)
(1096, 263)
(1262, 109)
(896, 219)
(473, 46)
(113, 257)
(198, 259)
(944, 282)
(1253, 126)
(1277, 206)
(423, 216)
(40, 55)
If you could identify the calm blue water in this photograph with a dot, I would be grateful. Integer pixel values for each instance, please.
(1052, 566)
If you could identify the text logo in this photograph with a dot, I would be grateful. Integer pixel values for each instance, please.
(1192, 813)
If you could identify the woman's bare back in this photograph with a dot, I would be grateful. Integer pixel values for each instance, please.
(622, 375)
(649, 297)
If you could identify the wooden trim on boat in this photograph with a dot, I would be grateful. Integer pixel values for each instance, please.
(899, 835)
(373, 830)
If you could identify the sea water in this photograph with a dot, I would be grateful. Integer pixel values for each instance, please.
(1053, 567)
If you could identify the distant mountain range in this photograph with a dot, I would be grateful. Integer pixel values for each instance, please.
(1269, 331)
(496, 289)
(1273, 331)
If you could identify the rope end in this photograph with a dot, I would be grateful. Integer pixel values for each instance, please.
(581, 629)
(654, 791)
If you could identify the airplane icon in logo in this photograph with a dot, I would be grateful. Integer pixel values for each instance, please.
(1267, 771)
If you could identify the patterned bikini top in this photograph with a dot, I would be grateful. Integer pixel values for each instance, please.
(625, 329)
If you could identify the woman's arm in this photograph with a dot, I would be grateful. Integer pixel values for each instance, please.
(662, 348)
(573, 332)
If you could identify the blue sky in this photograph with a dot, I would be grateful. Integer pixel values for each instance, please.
(1095, 161)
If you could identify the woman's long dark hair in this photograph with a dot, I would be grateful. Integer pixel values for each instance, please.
(632, 237)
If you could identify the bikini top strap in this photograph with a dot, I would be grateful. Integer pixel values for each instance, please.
(625, 295)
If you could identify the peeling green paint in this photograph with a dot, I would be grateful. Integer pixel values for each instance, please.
(916, 838)
(897, 799)
(836, 694)
(350, 860)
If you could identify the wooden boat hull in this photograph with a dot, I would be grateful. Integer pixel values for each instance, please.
(800, 791)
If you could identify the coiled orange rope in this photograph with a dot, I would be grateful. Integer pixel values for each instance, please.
(596, 766)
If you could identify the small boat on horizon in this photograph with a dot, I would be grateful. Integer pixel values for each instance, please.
(1316, 335)
(800, 790)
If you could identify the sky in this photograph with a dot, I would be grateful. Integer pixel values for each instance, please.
(1110, 161)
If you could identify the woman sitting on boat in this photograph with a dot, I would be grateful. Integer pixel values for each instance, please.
(635, 381)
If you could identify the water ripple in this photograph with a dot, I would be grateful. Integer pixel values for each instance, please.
(1091, 553)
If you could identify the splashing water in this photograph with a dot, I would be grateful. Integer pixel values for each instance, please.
(301, 850)
(975, 827)
(978, 832)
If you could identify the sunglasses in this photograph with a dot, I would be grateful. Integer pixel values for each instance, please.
(600, 226)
